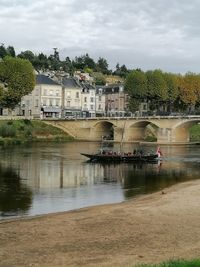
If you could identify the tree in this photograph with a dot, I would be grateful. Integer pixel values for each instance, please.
(189, 89)
(11, 51)
(17, 78)
(27, 55)
(3, 51)
(102, 65)
(136, 86)
(172, 88)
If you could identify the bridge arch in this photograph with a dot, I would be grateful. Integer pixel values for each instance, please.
(103, 130)
(181, 130)
(138, 131)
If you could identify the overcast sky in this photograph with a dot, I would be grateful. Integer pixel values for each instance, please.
(144, 34)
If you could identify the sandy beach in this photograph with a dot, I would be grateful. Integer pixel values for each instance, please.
(150, 229)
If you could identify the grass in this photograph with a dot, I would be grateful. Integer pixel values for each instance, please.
(195, 133)
(174, 263)
(21, 131)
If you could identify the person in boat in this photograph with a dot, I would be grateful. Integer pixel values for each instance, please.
(159, 152)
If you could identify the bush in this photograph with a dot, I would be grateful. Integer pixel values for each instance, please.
(7, 131)
(150, 138)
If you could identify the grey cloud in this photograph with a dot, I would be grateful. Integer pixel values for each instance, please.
(146, 33)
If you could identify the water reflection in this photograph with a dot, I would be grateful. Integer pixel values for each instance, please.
(46, 178)
(15, 197)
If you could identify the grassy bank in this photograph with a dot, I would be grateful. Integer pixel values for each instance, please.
(173, 263)
(21, 131)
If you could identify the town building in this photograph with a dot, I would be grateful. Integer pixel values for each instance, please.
(88, 100)
(100, 102)
(72, 96)
(45, 101)
(116, 100)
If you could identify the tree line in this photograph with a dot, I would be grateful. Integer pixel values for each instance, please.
(53, 62)
(162, 91)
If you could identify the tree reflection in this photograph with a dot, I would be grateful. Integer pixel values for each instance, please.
(145, 179)
(15, 197)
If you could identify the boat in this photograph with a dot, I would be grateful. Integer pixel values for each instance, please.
(125, 157)
(135, 157)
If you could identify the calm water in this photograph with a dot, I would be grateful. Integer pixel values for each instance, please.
(44, 178)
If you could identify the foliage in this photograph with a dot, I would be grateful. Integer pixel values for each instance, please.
(189, 88)
(99, 78)
(195, 133)
(7, 130)
(121, 71)
(17, 76)
(150, 138)
(136, 84)
(156, 85)
(26, 130)
(102, 65)
(174, 263)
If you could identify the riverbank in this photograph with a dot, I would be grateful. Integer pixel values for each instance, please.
(22, 131)
(151, 229)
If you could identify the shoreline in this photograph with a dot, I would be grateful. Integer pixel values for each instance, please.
(150, 229)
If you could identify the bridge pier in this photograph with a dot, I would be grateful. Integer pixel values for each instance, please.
(164, 135)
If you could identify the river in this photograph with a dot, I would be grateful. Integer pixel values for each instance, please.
(44, 178)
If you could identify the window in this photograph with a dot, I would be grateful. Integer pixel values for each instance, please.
(44, 102)
(37, 92)
(99, 106)
(68, 103)
(57, 102)
(85, 99)
(45, 92)
(77, 94)
(92, 107)
(57, 93)
(99, 98)
(50, 102)
(92, 99)
(36, 103)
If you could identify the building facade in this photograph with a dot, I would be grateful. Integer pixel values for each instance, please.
(72, 97)
(44, 101)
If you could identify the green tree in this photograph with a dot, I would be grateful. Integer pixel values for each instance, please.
(102, 65)
(136, 86)
(17, 78)
(156, 88)
(27, 55)
(172, 88)
(3, 51)
(11, 51)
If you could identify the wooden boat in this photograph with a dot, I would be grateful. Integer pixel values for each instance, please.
(125, 157)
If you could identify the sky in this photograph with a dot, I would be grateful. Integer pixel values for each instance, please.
(146, 34)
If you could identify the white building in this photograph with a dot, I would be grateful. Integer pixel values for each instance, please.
(45, 100)
(100, 102)
(71, 98)
(88, 100)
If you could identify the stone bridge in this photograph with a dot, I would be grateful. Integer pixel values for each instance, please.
(170, 129)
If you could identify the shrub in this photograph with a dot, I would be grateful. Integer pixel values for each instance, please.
(7, 131)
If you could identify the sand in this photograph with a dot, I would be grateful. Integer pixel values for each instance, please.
(151, 229)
